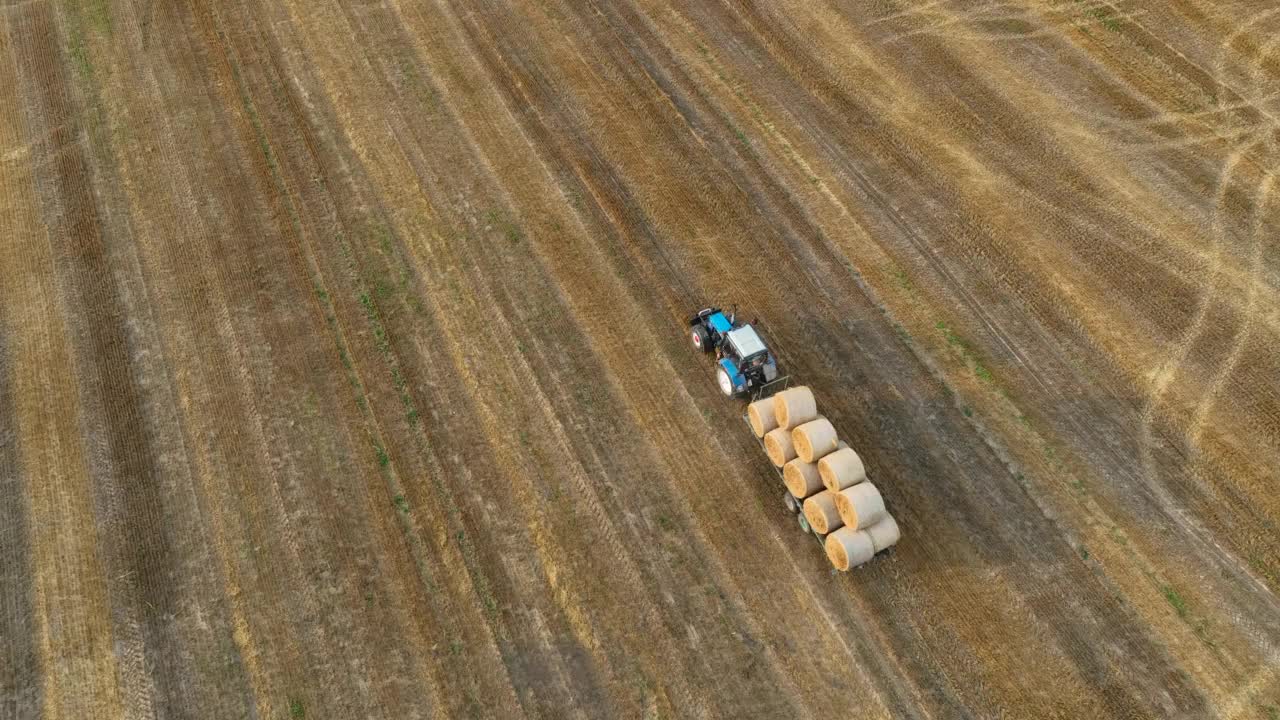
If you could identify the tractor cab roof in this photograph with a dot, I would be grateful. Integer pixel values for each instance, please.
(745, 341)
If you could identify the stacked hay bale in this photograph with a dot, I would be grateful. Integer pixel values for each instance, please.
(814, 439)
(826, 475)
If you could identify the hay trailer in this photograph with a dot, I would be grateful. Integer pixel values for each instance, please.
(794, 505)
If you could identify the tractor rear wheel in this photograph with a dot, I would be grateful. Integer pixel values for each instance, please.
(701, 340)
(726, 382)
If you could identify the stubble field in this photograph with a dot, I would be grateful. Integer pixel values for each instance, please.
(343, 371)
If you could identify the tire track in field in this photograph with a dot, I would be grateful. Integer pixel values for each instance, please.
(180, 253)
(68, 588)
(483, 582)
(1233, 287)
(183, 254)
(1194, 71)
(1167, 373)
(432, 466)
(1258, 597)
(1248, 623)
(998, 21)
(424, 443)
(119, 446)
(939, 20)
(1118, 459)
(166, 240)
(307, 212)
(1261, 205)
(20, 666)
(1159, 52)
(335, 650)
(1259, 210)
(1111, 236)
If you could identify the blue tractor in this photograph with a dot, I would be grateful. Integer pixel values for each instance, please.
(744, 364)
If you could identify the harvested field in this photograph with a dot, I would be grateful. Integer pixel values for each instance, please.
(344, 373)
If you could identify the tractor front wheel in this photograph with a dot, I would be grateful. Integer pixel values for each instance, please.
(701, 340)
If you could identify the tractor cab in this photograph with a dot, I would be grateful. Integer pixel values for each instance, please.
(744, 343)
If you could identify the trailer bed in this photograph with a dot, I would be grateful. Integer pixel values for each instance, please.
(792, 503)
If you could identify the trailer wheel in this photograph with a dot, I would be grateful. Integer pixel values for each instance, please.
(804, 523)
(701, 340)
(790, 501)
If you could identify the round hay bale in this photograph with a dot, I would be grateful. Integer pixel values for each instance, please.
(841, 469)
(801, 478)
(884, 534)
(778, 446)
(860, 506)
(795, 406)
(849, 548)
(814, 439)
(820, 511)
(760, 415)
